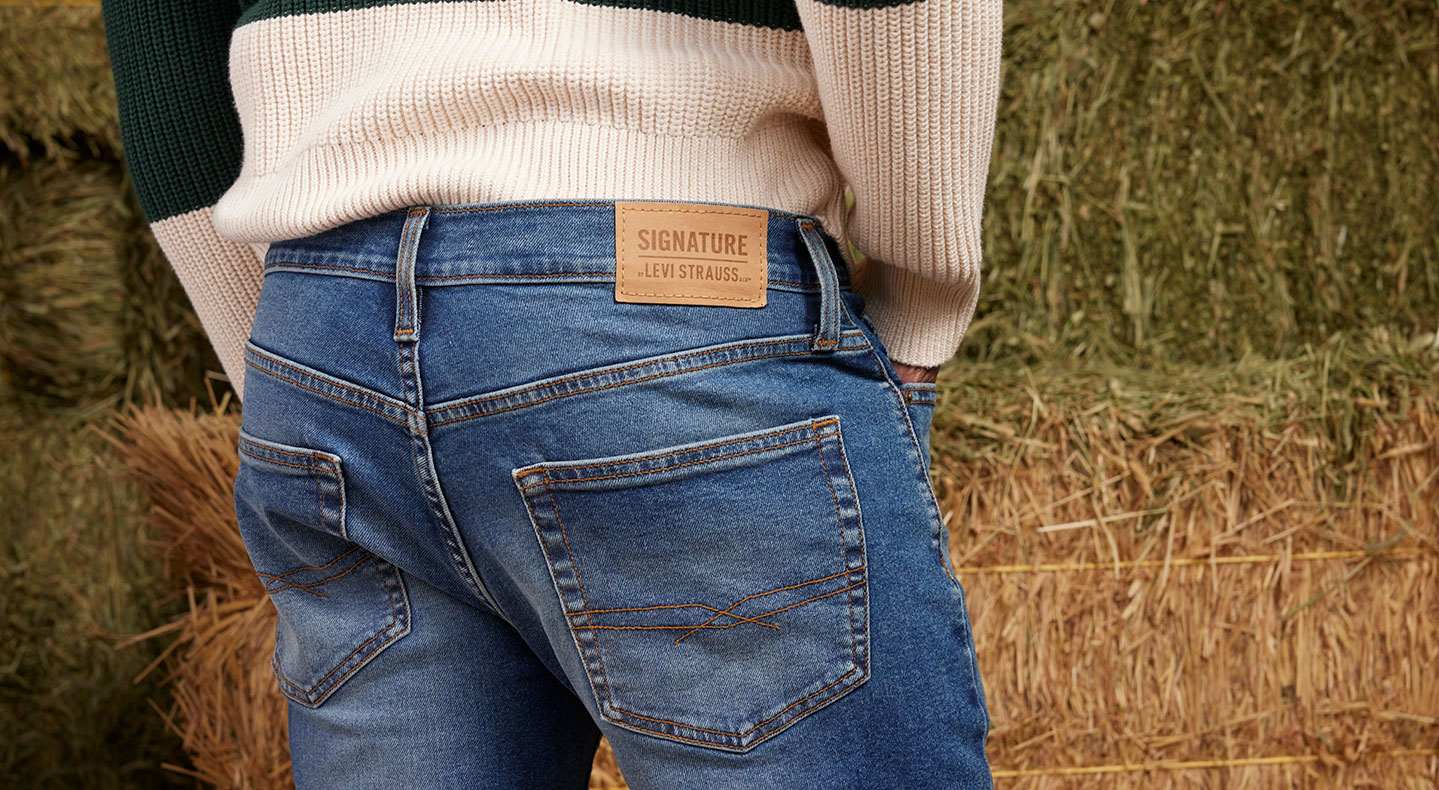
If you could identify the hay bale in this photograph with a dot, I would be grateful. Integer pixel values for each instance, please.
(91, 314)
(1193, 180)
(74, 576)
(1234, 568)
(63, 303)
(228, 711)
(1178, 577)
(56, 92)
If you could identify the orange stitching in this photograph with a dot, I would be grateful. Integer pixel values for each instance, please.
(536, 275)
(624, 383)
(678, 627)
(859, 524)
(321, 392)
(487, 274)
(594, 373)
(683, 605)
(254, 350)
(816, 598)
(824, 469)
(347, 553)
(787, 608)
(759, 595)
(739, 618)
(285, 463)
(307, 587)
(575, 565)
(737, 734)
(683, 450)
(394, 618)
(312, 454)
(667, 468)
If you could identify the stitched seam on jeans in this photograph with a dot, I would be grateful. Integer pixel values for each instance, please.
(347, 553)
(929, 489)
(751, 619)
(682, 450)
(839, 520)
(621, 369)
(394, 620)
(332, 382)
(320, 392)
(308, 587)
(684, 605)
(599, 654)
(276, 265)
(729, 610)
(748, 731)
(624, 383)
(285, 463)
(316, 454)
(864, 567)
(706, 460)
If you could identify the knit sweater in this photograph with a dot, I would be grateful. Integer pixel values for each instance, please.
(252, 121)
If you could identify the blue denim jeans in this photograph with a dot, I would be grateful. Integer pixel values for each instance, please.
(500, 512)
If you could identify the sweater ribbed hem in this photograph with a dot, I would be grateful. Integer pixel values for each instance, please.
(777, 167)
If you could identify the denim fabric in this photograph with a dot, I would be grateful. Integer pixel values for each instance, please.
(500, 513)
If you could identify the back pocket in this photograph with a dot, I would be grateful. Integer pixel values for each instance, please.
(337, 604)
(716, 591)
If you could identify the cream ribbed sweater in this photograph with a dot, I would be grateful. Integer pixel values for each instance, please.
(345, 109)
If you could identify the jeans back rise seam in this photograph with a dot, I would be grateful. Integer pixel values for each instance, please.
(407, 335)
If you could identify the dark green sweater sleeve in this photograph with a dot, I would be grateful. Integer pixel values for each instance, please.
(177, 118)
(183, 148)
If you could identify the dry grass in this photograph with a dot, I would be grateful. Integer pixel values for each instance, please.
(1155, 587)
(1207, 331)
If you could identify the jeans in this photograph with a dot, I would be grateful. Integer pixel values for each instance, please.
(500, 512)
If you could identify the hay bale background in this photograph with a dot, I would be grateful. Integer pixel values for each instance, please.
(1193, 180)
(57, 98)
(75, 571)
(1207, 331)
(1174, 568)
(91, 315)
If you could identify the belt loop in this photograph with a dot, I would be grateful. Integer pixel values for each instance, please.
(407, 298)
(826, 336)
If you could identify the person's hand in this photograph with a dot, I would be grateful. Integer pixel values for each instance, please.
(910, 373)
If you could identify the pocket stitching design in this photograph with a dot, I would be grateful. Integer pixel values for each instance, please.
(329, 464)
(398, 626)
(856, 665)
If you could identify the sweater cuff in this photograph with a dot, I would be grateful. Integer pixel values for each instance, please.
(920, 321)
(222, 280)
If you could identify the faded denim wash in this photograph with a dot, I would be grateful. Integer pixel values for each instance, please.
(500, 513)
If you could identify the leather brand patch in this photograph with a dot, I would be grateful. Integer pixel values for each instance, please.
(691, 253)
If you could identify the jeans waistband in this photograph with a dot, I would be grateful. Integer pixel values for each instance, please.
(533, 242)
